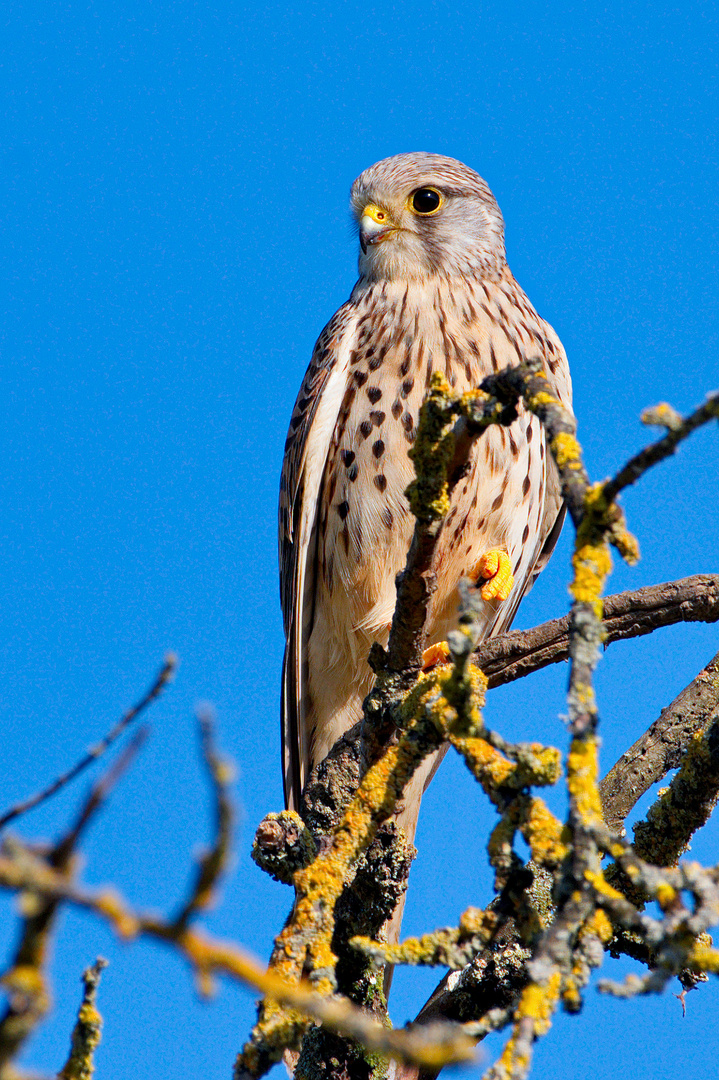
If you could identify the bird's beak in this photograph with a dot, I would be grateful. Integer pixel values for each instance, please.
(375, 226)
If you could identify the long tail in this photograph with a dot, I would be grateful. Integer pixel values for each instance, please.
(407, 819)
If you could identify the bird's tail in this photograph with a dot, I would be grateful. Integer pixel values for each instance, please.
(407, 818)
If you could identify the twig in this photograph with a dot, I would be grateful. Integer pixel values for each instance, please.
(88, 1029)
(214, 861)
(25, 979)
(97, 796)
(163, 678)
(679, 429)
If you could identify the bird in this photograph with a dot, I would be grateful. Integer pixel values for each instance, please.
(434, 294)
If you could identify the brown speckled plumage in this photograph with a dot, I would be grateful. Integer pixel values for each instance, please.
(434, 294)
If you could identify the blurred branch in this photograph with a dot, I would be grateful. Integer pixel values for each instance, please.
(534, 946)
(96, 797)
(20, 869)
(214, 861)
(28, 997)
(678, 429)
(164, 677)
(88, 1029)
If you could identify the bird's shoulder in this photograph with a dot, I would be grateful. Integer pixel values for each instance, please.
(526, 331)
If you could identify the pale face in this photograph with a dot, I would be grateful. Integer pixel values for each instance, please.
(424, 214)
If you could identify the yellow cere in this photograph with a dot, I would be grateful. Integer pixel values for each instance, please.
(375, 214)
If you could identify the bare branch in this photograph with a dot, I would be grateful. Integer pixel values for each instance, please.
(97, 796)
(214, 861)
(164, 677)
(678, 430)
(661, 747)
(626, 615)
(28, 998)
(21, 870)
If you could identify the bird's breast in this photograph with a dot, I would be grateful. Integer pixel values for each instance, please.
(402, 335)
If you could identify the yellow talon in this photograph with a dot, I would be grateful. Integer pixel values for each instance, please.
(434, 655)
(496, 567)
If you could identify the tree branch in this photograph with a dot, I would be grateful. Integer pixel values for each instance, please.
(626, 615)
(164, 676)
(21, 870)
(88, 1029)
(661, 747)
(678, 429)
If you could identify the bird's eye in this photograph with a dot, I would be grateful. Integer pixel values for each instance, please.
(426, 200)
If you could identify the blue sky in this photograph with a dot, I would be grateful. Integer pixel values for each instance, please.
(173, 236)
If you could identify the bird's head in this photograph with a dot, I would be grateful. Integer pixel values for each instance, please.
(424, 214)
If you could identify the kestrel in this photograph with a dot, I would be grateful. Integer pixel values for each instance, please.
(434, 294)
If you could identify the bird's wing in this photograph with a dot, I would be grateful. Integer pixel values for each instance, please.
(308, 441)
(554, 509)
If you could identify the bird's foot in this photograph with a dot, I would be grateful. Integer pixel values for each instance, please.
(435, 655)
(495, 567)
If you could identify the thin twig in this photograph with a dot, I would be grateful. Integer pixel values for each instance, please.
(88, 1029)
(163, 678)
(97, 796)
(663, 448)
(25, 979)
(214, 861)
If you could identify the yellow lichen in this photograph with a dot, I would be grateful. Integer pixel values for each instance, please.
(592, 564)
(490, 767)
(540, 399)
(601, 886)
(665, 896)
(571, 997)
(109, 904)
(25, 979)
(474, 921)
(582, 772)
(543, 832)
(432, 451)
(599, 925)
(566, 450)
(499, 845)
(703, 958)
(538, 1002)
